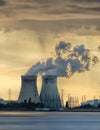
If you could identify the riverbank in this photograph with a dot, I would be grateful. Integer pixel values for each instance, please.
(49, 110)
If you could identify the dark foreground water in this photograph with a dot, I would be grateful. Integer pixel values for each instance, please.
(49, 121)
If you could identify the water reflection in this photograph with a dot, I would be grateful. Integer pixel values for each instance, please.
(49, 121)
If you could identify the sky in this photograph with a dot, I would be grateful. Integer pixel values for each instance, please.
(29, 31)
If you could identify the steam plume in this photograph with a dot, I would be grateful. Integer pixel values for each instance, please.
(67, 61)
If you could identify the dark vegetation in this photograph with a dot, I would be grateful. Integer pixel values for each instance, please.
(21, 106)
(31, 106)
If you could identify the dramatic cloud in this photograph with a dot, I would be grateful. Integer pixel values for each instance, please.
(29, 30)
(55, 27)
(50, 9)
(2, 3)
(98, 28)
(68, 61)
(86, 1)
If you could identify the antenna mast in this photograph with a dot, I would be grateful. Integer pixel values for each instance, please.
(62, 101)
(9, 94)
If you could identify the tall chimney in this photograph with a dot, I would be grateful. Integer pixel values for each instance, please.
(28, 89)
(49, 95)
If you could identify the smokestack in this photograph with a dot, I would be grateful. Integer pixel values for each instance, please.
(49, 95)
(28, 89)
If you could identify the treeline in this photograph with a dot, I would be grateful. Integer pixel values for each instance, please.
(21, 106)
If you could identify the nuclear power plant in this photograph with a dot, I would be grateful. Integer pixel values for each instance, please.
(67, 61)
(49, 94)
(29, 91)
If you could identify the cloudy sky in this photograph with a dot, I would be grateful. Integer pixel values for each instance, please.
(29, 30)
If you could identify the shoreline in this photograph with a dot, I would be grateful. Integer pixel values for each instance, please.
(49, 110)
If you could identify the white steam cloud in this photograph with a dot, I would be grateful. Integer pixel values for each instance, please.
(67, 61)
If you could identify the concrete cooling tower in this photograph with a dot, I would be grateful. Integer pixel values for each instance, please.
(49, 95)
(28, 89)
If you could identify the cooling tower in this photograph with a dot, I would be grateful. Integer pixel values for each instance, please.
(29, 89)
(49, 95)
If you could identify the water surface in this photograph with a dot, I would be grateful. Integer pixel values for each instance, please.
(49, 121)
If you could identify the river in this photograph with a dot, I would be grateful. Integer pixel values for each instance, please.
(49, 121)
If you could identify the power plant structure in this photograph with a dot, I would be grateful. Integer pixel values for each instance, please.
(29, 91)
(49, 95)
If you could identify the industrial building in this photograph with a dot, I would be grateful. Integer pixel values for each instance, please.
(73, 102)
(2, 101)
(49, 95)
(93, 103)
(29, 91)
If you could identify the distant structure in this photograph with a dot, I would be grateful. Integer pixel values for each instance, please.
(2, 101)
(84, 98)
(62, 100)
(93, 103)
(9, 94)
(28, 91)
(49, 95)
(73, 101)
